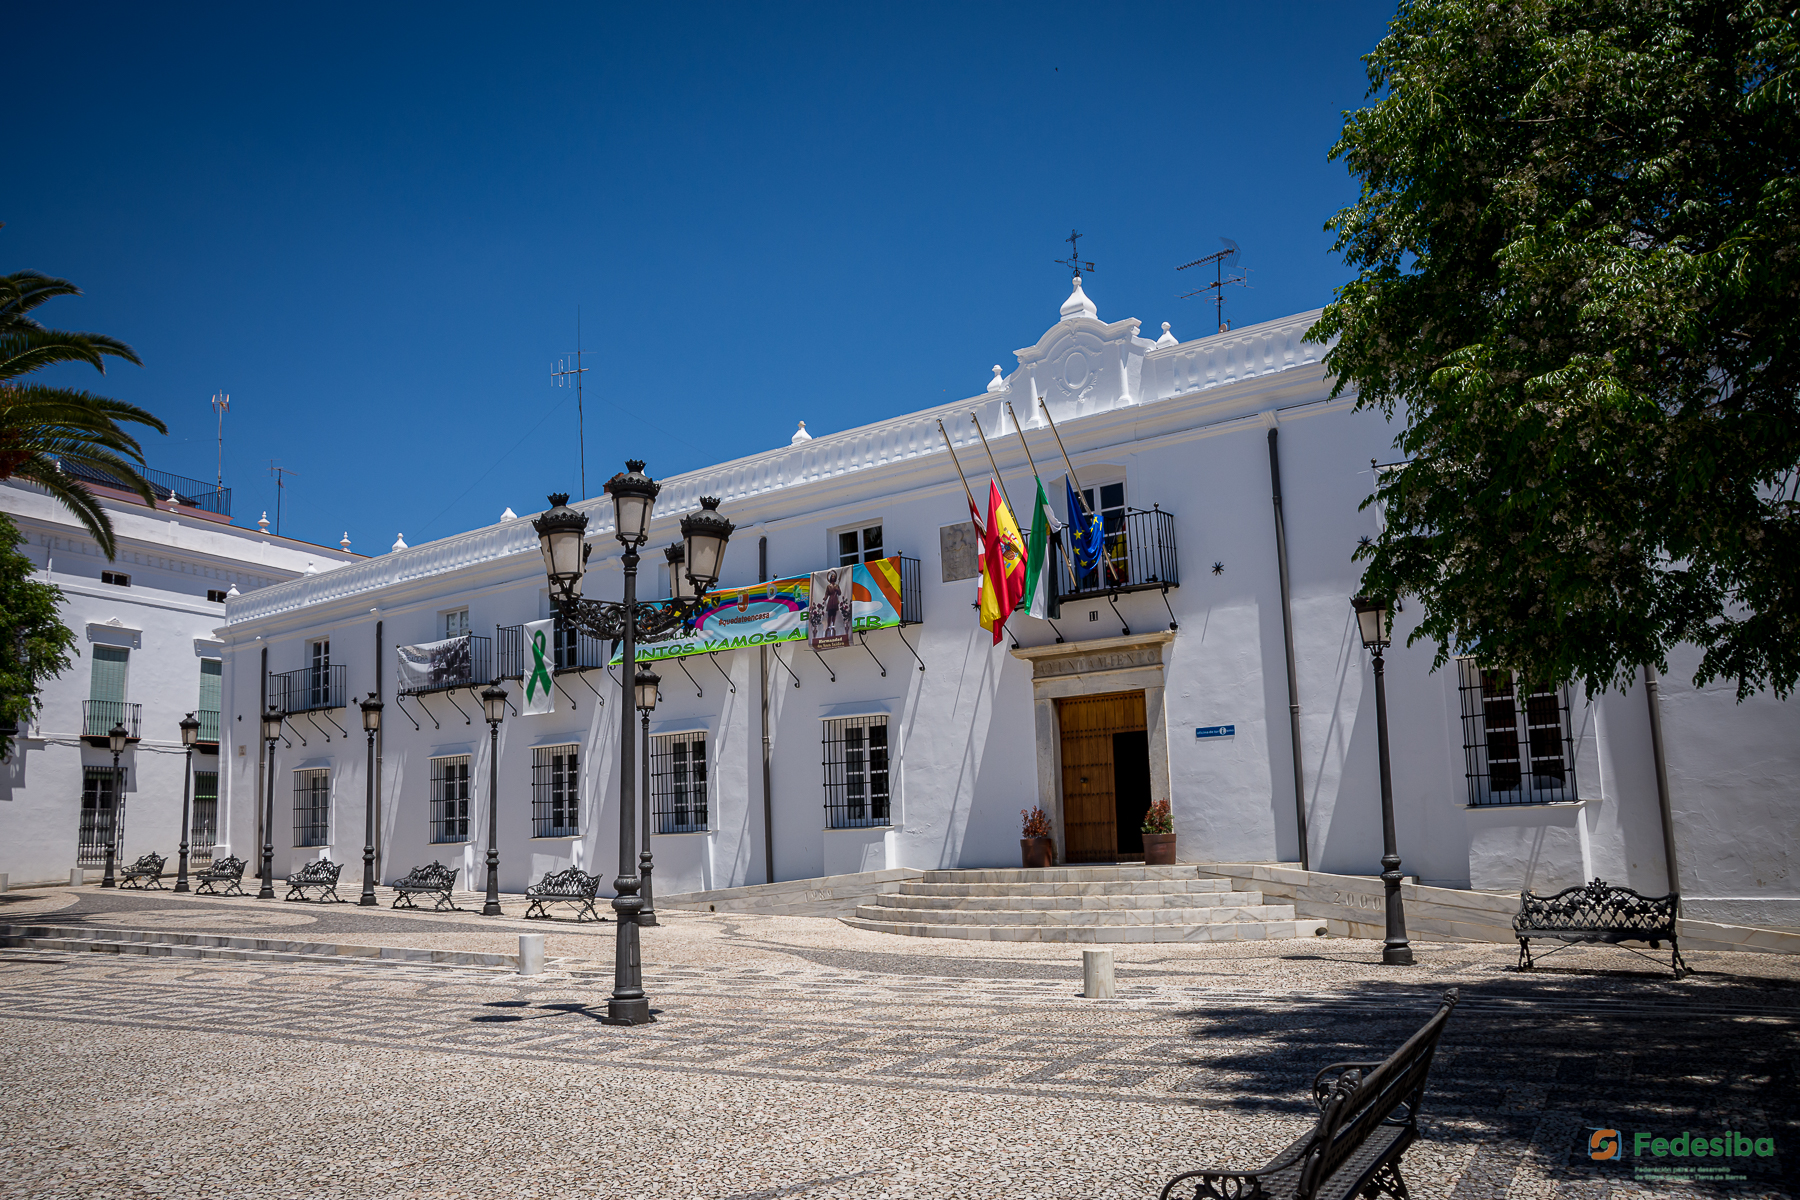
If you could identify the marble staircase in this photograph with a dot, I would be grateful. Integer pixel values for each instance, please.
(1124, 903)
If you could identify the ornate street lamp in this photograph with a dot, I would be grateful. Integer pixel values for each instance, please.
(117, 737)
(560, 532)
(647, 681)
(680, 586)
(271, 731)
(190, 733)
(493, 705)
(1372, 622)
(371, 717)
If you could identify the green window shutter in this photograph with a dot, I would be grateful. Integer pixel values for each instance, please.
(108, 679)
(210, 670)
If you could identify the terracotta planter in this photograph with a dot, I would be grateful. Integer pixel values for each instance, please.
(1159, 849)
(1037, 852)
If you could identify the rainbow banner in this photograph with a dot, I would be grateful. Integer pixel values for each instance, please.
(781, 610)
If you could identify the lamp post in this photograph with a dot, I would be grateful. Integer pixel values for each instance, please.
(1372, 622)
(271, 731)
(560, 532)
(116, 736)
(493, 704)
(371, 717)
(647, 681)
(190, 733)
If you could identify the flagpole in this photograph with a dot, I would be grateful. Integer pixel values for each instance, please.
(991, 463)
(1018, 428)
(958, 462)
(1086, 507)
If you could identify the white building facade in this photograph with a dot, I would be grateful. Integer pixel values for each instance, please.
(1165, 677)
(146, 654)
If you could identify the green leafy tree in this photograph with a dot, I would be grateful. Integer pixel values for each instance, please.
(54, 436)
(1578, 257)
(34, 643)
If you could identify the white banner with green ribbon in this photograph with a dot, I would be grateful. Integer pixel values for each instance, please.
(540, 661)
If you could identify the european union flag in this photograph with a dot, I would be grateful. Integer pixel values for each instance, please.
(1086, 533)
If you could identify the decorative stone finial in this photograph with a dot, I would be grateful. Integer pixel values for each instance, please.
(800, 435)
(311, 569)
(173, 498)
(232, 591)
(264, 523)
(1078, 304)
(399, 542)
(1167, 339)
(509, 514)
(345, 541)
(996, 384)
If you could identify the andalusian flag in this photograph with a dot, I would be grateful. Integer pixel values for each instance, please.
(1004, 583)
(1039, 576)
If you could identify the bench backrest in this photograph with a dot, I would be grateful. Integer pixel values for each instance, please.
(149, 862)
(574, 879)
(229, 867)
(1361, 1101)
(437, 875)
(1597, 905)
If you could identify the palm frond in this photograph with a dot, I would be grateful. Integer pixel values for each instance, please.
(74, 496)
(23, 351)
(23, 291)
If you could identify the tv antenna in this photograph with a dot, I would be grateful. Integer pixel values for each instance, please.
(221, 404)
(1074, 262)
(280, 487)
(560, 378)
(1224, 258)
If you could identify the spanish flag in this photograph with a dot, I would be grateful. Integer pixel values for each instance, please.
(1003, 565)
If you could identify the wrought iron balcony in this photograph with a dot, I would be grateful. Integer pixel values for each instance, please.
(464, 666)
(569, 650)
(99, 716)
(310, 689)
(1138, 555)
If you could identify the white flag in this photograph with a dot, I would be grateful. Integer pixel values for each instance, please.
(540, 663)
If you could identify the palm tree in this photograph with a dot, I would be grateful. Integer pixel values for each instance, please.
(53, 436)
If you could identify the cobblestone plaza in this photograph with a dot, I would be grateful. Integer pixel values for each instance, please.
(797, 1057)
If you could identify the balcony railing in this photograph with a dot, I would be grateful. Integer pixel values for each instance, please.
(209, 725)
(1138, 555)
(570, 650)
(310, 689)
(459, 670)
(189, 493)
(99, 716)
(912, 602)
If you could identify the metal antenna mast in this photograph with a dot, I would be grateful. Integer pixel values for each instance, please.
(1224, 258)
(561, 376)
(280, 487)
(1074, 262)
(221, 404)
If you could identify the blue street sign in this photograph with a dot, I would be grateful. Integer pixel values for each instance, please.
(1216, 731)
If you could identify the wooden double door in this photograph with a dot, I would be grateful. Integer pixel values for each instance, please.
(1105, 776)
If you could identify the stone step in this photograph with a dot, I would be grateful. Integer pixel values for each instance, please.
(235, 949)
(1223, 915)
(1129, 872)
(1097, 887)
(1104, 901)
(1224, 932)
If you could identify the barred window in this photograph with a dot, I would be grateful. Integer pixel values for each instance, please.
(856, 772)
(450, 799)
(312, 807)
(1516, 738)
(98, 787)
(678, 782)
(203, 830)
(555, 791)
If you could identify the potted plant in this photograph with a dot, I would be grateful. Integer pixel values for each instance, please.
(1159, 835)
(1036, 847)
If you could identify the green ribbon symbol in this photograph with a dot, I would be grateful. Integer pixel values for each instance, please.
(538, 670)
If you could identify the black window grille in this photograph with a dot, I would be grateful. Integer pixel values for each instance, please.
(1517, 739)
(450, 799)
(555, 791)
(678, 782)
(856, 772)
(99, 787)
(203, 824)
(312, 807)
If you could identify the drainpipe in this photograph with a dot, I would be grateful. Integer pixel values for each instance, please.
(379, 735)
(762, 575)
(1654, 693)
(262, 746)
(1287, 637)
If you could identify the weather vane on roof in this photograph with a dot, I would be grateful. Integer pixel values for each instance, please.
(1073, 262)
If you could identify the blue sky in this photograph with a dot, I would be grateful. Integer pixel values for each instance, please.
(373, 225)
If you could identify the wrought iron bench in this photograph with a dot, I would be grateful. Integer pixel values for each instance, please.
(320, 875)
(146, 872)
(573, 886)
(1598, 912)
(228, 871)
(434, 880)
(1368, 1117)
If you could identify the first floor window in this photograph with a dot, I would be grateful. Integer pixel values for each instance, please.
(555, 791)
(859, 545)
(312, 807)
(856, 772)
(203, 830)
(99, 790)
(450, 799)
(1516, 738)
(678, 782)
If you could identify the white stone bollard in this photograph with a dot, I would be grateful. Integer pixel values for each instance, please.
(1097, 974)
(531, 954)
(2, 883)
(77, 876)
